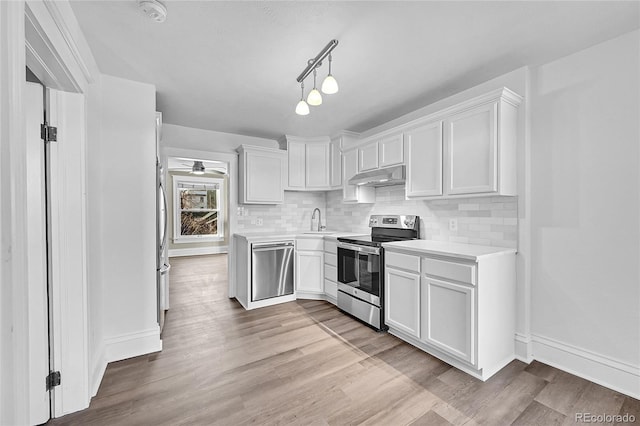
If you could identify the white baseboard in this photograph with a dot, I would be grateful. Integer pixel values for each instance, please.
(97, 373)
(611, 373)
(197, 251)
(133, 344)
(523, 348)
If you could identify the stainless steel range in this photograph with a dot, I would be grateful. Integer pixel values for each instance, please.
(361, 266)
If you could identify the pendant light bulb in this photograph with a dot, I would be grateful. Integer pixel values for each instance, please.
(329, 85)
(302, 108)
(314, 98)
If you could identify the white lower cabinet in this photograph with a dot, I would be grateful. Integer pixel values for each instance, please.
(331, 270)
(309, 268)
(460, 310)
(448, 317)
(402, 300)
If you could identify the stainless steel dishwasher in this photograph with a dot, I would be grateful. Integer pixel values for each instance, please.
(271, 269)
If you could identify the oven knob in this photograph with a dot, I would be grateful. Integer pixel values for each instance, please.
(408, 222)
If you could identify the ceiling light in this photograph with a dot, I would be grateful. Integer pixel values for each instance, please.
(329, 86)
(302, 108)
(314, 98)
(153, 9)
(198, 168)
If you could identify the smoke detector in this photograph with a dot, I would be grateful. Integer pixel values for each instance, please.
(153, 9)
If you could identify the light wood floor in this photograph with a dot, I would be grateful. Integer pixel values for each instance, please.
(305, 362)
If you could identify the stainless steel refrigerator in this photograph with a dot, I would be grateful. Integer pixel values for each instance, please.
(162, 258)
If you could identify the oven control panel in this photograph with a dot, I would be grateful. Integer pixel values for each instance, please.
(393, 221)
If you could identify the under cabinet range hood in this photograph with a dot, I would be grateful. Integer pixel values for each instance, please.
(381, 177)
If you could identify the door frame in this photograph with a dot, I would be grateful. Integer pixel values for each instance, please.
(46, 36)
(232, 164)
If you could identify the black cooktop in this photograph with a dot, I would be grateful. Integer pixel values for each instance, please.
(371, 240)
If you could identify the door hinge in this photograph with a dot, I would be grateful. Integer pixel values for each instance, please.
(48, 133)
(53, 380)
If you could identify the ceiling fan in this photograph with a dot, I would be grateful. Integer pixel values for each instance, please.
(197, 167)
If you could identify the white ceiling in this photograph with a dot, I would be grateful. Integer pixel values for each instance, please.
(231, 66)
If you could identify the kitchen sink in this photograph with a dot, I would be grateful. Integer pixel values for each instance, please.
(319, 232)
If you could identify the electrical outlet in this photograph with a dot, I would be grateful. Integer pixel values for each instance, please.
(259, 221)
(253, 221)
(453, 225)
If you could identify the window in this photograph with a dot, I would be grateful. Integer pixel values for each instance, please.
(199, 210)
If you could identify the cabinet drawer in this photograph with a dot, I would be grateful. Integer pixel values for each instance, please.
(331, 247)
(331, 259)
(331, 288)
(402, 261)
(331, 272)
(311, 244)
(454, 271)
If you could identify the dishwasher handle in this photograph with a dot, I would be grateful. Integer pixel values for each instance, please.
(272, 246)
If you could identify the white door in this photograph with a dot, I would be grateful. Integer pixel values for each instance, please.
(391, 151)
(67, 246)
(296, 160)
(472, 144)
(350, 168)
(317, 165)
(448, 317)
(368, 157)
(37, 257)
(402, 292)
(424, 160)
(309, 271)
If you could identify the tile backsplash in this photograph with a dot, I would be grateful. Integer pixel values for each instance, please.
(489, 221)
(480, 220)
(294, 215)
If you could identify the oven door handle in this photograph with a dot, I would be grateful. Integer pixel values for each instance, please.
(359, 249)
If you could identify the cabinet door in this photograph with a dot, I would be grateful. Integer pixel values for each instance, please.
(263, 178)
(310, 271)
(336, 165)
(448, 317)
(391, 151)
(317, 165)
(368, 157)
(296, 173)
(350, 168)
(402, 301)
(424, 160)
(472, 151)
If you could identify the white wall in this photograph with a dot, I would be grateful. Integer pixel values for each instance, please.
(127, 222)
(585, 211)
(174, 136)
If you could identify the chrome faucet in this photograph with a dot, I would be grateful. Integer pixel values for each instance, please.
(313, 216)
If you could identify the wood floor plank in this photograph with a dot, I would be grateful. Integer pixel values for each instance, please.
(307, 363)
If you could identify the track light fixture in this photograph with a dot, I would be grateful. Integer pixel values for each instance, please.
(329, 85)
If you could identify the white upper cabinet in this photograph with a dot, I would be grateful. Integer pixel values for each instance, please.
(391, 151)
(424, 160)
(261, 172)
(296, 165)
(309, 163)
(335, 172)
(480, 146)
(472, 143)
(368, 157)
(317, 165)
(353, 193)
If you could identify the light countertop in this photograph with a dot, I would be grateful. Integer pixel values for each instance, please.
(253, 237)
(443, 248)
